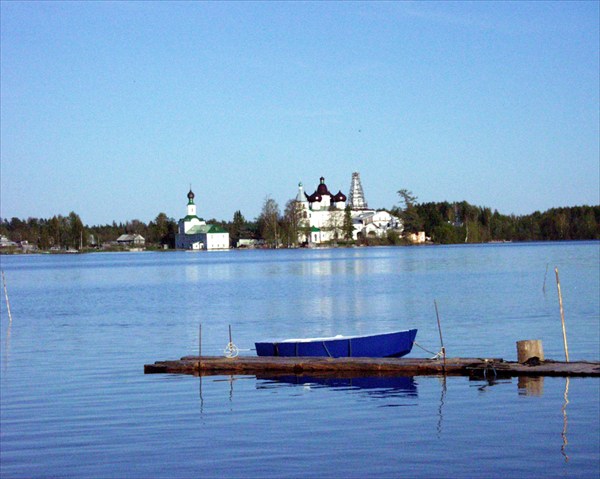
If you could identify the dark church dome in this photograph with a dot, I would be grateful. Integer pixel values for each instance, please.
(339, 197)
(322, 188)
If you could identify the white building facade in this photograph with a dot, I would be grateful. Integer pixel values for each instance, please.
(323, 214)
(196, 234)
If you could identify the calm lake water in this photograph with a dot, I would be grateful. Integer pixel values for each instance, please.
(75, 401)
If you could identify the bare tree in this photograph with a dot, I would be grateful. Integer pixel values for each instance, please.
(335, 224)
(292, 223)
(269, 222)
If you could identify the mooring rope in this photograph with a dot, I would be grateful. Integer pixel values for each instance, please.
(437, 355)
(231, 350)
(489, 364)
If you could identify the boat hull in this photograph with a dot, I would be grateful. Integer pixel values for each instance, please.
(386, 345)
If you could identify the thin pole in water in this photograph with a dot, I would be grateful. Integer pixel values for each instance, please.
(562, 315)
(437, 314)
(545, 274)
(200, 357)
(200, 340)
(6, 296)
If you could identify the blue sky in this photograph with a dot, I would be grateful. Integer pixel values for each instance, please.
(113, 109)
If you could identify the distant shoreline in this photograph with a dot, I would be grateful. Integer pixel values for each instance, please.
(17, 252)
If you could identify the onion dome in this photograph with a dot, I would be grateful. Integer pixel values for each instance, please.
(301, 196)
(339, 197)
(322, 188)
(190, 195)
(315, 197)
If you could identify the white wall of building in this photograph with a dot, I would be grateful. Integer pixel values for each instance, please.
(217, 241)
(195, 234)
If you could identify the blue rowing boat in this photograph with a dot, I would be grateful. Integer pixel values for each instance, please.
(385, 345)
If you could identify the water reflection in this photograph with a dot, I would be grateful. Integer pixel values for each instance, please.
(230, 379)
(531, 386)
(218, 271)
(441, 406)
(489, 382)
(563, 448)
(534, 386)
(201, 395)
(7, 346)
(192, 273)
(373, 386)
(387, 392)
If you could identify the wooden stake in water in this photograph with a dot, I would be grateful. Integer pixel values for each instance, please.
(437, 314)
(562, 315)
(200, 340)
(200, 357)
(6, 296)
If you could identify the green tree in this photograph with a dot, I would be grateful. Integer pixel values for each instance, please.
(237, 227)
(158, 231)
(588, 227)
(445, 234)
(76, 236)
(347, 225)
(54, 231)
(44, 239)
(411, 221)
(407, 198)
(431, 216)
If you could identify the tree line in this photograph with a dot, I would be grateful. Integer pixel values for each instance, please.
(461, 222)
(64, 232)
(69, 232)
(443, 223)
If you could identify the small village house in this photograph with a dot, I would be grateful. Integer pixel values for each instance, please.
(132, 240)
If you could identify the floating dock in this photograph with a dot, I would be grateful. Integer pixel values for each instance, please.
(344, 367)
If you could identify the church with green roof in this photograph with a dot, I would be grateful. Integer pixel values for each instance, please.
(195, 234)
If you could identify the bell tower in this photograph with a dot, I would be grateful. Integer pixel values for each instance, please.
(191, 207)
(357, 197)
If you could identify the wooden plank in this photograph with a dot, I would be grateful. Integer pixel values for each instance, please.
(211, 365)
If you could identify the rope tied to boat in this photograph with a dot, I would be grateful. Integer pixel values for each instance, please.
(231, 350)
(438, 355)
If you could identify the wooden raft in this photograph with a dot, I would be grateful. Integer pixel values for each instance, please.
(344, 367)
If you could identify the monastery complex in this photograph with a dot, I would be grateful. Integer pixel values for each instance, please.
(322, 213)
(321, 219)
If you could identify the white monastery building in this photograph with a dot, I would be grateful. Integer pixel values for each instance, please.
(323, 212)
(195, 234)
